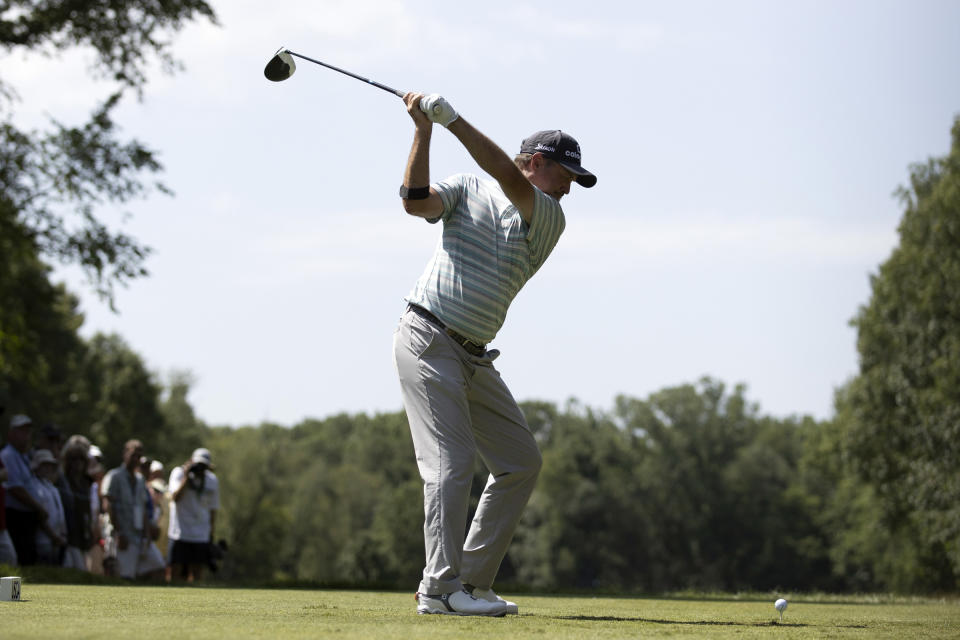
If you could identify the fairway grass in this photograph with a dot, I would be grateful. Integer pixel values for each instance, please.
(84, 611)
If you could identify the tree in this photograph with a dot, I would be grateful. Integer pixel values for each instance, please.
(51, 184)
(124, 398)
(52, 181)
(690, 488)
(587, 524)
(257, 470)
(183, 431)
(718, 476)
(903, 431)
(39, 344)
(865, 554)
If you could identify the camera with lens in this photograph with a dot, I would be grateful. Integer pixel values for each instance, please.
(217, 551)
(197, 476)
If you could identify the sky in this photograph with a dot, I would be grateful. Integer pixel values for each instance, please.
(747, 155)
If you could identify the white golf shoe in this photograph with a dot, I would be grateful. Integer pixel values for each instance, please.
(459, 603)
(489, 596)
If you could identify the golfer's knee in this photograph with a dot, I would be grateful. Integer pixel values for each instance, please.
(525, 472)
(536, 463)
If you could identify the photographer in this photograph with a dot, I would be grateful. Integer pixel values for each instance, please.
(194, 500)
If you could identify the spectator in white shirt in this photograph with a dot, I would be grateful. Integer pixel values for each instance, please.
(194, 500)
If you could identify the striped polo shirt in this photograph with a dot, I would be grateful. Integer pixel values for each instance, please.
(485, 254)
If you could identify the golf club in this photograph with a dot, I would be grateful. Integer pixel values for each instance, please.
(282, 66)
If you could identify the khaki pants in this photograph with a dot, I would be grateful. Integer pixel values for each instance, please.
(458, 407)
(141, 557)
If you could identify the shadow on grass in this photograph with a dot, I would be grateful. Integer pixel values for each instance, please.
(858, 599)
(704, 623)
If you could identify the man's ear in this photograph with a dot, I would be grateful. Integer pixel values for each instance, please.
(537, 161)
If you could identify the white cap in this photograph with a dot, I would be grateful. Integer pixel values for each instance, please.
(20, 420)
(95, 452)
(156, 465)
(202, 456)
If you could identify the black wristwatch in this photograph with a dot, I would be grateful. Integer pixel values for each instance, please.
(414, 193)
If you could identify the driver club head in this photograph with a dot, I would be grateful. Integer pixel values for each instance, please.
(280, 67)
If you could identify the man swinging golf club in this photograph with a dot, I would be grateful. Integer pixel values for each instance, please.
(496, 235)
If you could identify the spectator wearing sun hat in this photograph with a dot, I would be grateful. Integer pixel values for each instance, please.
(50, 437)
(51, 535)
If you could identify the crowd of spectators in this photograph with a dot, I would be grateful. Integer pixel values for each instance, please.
(61, 507)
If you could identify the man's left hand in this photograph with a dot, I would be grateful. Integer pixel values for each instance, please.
(438, 109)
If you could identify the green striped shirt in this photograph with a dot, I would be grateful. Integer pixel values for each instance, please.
(485, 255)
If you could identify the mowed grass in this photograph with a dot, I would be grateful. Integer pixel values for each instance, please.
(85, 611)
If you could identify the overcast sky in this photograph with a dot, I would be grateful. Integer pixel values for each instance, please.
(747, 155)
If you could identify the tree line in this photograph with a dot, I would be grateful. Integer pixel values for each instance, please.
(690, 488)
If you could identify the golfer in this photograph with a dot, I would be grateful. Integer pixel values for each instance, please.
(496, 235)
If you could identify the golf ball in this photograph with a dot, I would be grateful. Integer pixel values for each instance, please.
(780, 605)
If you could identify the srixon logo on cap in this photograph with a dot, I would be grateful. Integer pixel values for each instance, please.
(543, 147)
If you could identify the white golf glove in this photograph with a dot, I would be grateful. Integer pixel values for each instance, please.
(438, 109)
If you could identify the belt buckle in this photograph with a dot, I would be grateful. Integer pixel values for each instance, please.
(473, 348)
(470, 346)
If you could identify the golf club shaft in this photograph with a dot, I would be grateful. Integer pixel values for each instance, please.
(345, 72)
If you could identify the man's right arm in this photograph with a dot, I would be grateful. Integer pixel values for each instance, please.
(178, 482)
(417, 172)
